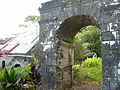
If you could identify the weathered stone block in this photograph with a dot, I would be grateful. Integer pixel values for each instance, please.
(84, 9)
(109, 55)
(118, 15)
(105, 45)
(64, 84)
(63, 63)
(107, 36)
(113, 83)
(114, 44)
(69, 11)
(106, 84)
(76, 10)
(94, 9)
(118, 35)
(104, 27)
(110, 71)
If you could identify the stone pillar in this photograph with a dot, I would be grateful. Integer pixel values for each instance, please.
(65, 60)
(110, 49)
(47, 56)
(56, 66)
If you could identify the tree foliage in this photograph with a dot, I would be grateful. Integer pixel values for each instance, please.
(80, 52)
(89, 41)
(32, 18)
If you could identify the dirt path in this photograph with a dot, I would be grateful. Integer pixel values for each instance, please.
(87, 86)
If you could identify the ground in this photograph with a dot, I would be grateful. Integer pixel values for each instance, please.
(84, 85)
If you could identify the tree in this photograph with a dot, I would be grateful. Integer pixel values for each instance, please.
(32, 18)
(30, 25)
(89, 39)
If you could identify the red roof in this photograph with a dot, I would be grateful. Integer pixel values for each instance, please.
(17, 44)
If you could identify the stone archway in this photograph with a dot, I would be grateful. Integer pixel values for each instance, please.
(101, 13)
(72, 25)
(65, 51)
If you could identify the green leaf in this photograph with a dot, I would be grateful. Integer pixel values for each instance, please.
(8, 85)
(17, 82)
(32, 18)
(6, 75)
(12, 75)
(1, 87)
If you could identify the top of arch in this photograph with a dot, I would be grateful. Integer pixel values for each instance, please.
(56, 3)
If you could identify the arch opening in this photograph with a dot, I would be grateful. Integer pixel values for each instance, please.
(71, 26)
(17, 65)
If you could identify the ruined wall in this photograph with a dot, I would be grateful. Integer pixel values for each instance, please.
(7, 60)
(105, 12)
(22, 61)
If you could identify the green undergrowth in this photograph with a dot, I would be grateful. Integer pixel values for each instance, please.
(25, 70)
(90, 69)
(20, 78)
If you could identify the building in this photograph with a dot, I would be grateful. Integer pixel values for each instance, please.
(17, 50)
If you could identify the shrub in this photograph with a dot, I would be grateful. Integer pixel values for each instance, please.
(80, 52)
(34, 80)
(92, 62)
(89, 70)
(35, 75)
(78, 72)
(10, 79)
(91, 35)
(26, 76)
(25, 72)
(86, 41)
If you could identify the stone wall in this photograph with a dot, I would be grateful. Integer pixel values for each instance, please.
(11, 60)
(21, 60)
(7, 60)
(56, 17)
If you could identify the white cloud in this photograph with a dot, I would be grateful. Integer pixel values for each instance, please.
(13, 13)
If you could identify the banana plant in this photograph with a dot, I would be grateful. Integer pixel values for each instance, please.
(10, 79)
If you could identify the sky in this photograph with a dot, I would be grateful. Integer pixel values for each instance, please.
(13, 13)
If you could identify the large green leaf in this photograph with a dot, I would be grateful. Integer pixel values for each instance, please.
(18, 81)
(12, 75)
(1, 87)
(6, 75)
(8, 85)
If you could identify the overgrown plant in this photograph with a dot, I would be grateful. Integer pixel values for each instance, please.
(10, 79)
(90, 70)
(91, 35)
(34, 79)
(89, 43)
(118, 86)
(92, 62)
(35, 75)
